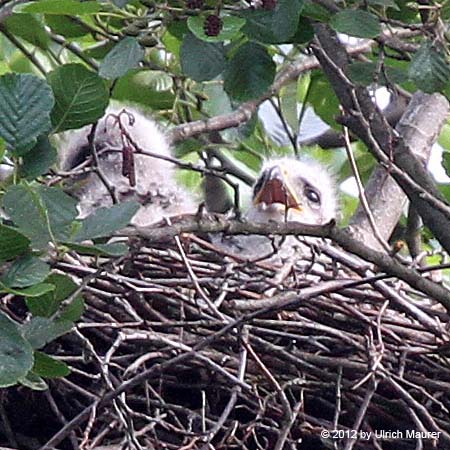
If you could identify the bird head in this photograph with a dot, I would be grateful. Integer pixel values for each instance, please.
(289, 189)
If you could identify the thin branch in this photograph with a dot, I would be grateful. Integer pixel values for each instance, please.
(341, 237)
(366, 121)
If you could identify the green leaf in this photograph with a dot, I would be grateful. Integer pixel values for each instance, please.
(201, 60)
(12, 243)
(231, 26)
(41, 213)
(125, 55)
(135, 87)
(16, 354)
(39, 331)
(26, 271)
(69, 7)
(99, 50)
(289, 105)
(286, 17)
(444, 138)
(48, 367)
(65, 26)
(113, 249)
(429, 69)
(25, 105)
(33, 381)
(304, 33)
(258, 26)
(28, 28)
(446, 162)
(385, 3)
(365, 73)
(26, 209)
(81, 97)
(104, 221)
(250, 72)
(355, 22)
(38, 160)
(74, 310)
(323, 99)
(48, 304)
(33, 291)
(217, 102)
(61, 210)
(316, 12)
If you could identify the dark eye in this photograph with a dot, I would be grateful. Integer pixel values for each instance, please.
(312, 195)
(80, 156)
(259, 184)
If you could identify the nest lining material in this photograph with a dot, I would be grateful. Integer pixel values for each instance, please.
(211, 352)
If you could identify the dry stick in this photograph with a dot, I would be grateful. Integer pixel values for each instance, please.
(97, 169)
(341, 237)
(235, 391)
(419, 408)
(151, 372)
(366, 121)
(376, 281)
(23, 49)
(284, 432)
(127, 385)
(338, 408)
(194, 279)
(75, 49)
(361, 413)
(364, 202)
(61, 417)
(419, 128)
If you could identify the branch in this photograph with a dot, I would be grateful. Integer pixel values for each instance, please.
(334, 139)
(6, 8)
(419, 127)
(369, 124)
(343, 238)
(247, 109)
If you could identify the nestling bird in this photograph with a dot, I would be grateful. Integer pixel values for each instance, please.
(286, 190)
(150, 180)
(289, 189)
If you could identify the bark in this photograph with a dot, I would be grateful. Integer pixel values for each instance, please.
(366, 121)
(419, 127)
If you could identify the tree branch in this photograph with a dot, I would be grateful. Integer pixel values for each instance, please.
(369, 124)
(343, 238)
(419, 127)
(247, 109)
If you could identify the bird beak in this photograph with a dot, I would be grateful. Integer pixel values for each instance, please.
(276, 188)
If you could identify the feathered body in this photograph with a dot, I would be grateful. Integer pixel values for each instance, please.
(156, 187)
(286, 190)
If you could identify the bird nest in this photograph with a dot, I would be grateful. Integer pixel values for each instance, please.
(183, 347)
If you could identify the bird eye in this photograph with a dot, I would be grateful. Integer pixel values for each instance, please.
(81, 155)
(259, 184)
(312, 195)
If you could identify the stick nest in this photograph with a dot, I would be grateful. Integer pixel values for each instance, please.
(181, 347)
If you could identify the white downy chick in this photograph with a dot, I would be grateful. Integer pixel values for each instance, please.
(287, 190)
(156, 188)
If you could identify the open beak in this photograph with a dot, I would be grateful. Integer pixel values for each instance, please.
(275, 188)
